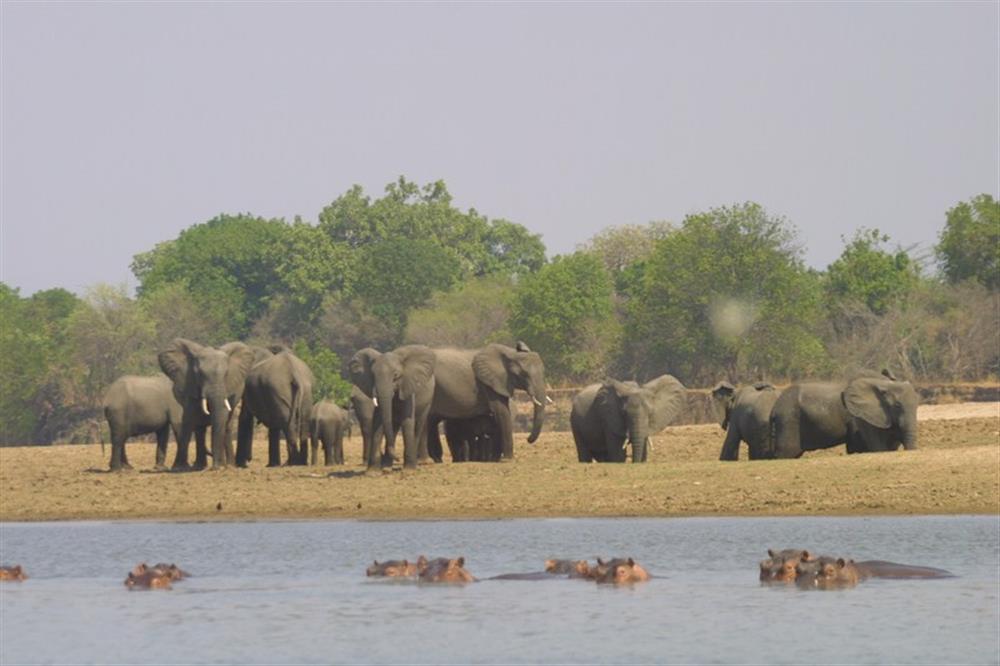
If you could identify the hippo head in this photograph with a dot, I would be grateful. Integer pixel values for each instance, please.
(781, 565)
(392, 569)
(827, 573)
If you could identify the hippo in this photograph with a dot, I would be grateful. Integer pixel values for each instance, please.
(618, 571)
(578, 567)
(171, 571)
(883, 569)
(444, 570)
(397, 568)
(827, 573)
(13, 573)
(151, 580)
(780, 565)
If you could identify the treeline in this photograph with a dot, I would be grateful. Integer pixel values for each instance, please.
(722, 294)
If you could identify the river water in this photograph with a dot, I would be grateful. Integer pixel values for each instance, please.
(295, 592)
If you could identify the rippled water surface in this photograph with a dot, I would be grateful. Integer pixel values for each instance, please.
(295, 592)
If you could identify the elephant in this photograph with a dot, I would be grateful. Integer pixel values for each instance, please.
(404, 389)
(869, 413)
(605, 416)
(363, 402)
(364, 412)
(479, 382)
(208, 383)
(138, 406)
(746, 417)
(476, 439)
(279, 395)
(328, 423)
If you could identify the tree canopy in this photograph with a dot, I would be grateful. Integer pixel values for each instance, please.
(969, 245)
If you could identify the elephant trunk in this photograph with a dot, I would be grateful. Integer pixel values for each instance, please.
(638, 434)
(384, 391)
(910, 435)
(220, 424)
(537, 392)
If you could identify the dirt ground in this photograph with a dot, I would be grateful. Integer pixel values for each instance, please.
(956, 470)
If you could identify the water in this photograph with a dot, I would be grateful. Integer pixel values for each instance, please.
(295, 592)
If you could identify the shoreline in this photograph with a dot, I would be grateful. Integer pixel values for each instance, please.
(956, 471)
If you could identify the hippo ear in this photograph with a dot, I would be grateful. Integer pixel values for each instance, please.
(770, 553)
(631, 562)
(806, 556)
(460, 561)
(600, 562)
(841, 563)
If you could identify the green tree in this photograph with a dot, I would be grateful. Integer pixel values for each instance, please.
(868, 274)
(326, 367)
(473, 314)
(969, 245)
(623, 246)
(565, 312)
(726, 295)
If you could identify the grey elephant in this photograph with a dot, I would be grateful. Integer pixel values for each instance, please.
(404, 389)
(745, 416)
(139, 406)
(329, 423)
(479, 382)
(364, 413)
(476, 439)
(868, 413)
(606, 416)
(279, 395)
(208, 383)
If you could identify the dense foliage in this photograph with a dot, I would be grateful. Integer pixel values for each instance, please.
(723, 294)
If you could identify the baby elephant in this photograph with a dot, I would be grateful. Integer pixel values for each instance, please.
(397, 568)
(328, 423)
(12, 573)
(444, 570)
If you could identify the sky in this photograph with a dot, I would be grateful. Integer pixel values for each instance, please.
(124, 123)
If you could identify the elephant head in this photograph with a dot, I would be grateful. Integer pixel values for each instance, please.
(722, 402)
(207, 381)
(503, 369)
(640, 411)
(360, 370)
(885, 403)
(402, 374)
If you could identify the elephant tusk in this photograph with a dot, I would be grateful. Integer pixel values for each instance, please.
(228, 406)
(375, 401)
(537, 401)
(549, 400)
(204, 406)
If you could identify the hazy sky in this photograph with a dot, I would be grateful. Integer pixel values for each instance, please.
(124, 123)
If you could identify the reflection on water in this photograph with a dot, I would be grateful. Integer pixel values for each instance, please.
(295, 592)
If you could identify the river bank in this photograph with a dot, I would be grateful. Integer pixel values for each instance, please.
(956, 470)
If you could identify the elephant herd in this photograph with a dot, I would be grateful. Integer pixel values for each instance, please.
(413, 389)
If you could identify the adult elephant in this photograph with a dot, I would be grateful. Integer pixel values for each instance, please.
(207, 382)
(605, 416)
(479, 382)
(364, 411)
(404, 389)
(279, 395)
(139, 406)
(868, 413)
(745, 416)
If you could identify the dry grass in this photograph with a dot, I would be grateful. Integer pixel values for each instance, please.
(956, 470)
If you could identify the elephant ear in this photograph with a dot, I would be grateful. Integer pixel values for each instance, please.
(490, 368)
(722, 396)
(175, 360)
(666, 397)
(865, 399)
(241, 359)
(360, 370)
(522, 346)
(418, 369)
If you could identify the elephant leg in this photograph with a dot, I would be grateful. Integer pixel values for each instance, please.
(505, 425)
(273, 447)
(785, 431)
(117, 450)
(291, 446)
(313, 450)
(244, 438)
(200, 452)
(731, 445)
(338, 448)
(434, 448)
(580, 439)
(162, 435)
(329, 456)
(228, 442)
(411, 447)
(181, 457)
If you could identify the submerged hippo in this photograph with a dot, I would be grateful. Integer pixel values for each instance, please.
(780, 565)
(13, 573)
(883, 569)
(397, 568)
(620, 570)
(575, 568)
(827, 573)
(151, 580)
(171, 571)
(445, 570)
